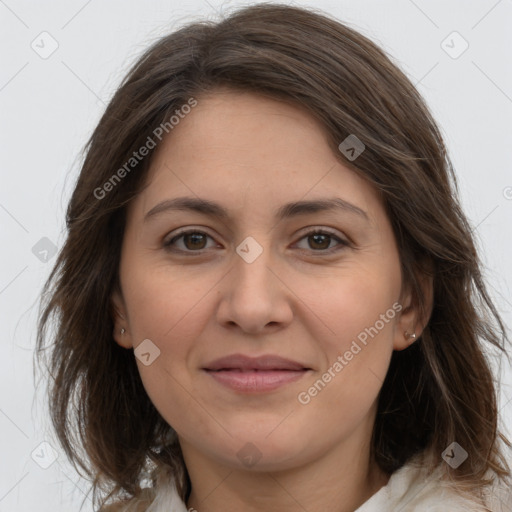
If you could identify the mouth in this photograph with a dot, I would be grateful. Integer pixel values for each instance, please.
(255, 375)
(242, 362)
(255, 381)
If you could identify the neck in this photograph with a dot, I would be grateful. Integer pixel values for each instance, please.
(341, 480)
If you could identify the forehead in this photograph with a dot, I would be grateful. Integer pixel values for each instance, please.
(245, 126)
(239, 147)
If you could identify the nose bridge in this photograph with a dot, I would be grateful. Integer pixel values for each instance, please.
(253, 297)
(252, 262)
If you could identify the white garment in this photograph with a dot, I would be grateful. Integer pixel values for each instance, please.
(408, 490)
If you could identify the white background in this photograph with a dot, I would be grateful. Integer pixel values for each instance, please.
(49, 108)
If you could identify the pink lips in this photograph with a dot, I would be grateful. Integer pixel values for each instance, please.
(260, 374)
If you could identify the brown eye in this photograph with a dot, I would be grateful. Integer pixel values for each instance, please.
(192, 241)
(320, 241)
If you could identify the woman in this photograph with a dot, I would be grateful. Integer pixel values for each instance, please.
(269, 297)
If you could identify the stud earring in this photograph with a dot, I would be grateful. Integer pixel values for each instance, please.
(123, 330)
(410, 336)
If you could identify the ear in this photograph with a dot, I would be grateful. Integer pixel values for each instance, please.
(412, 320)
(119, 317)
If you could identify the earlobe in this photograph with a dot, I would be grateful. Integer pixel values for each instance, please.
(413, 319)
(406, 329)
(121, 333)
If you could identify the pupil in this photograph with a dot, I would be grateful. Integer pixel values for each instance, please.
(195, 237)
(325, 238)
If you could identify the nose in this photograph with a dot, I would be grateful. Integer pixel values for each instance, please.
(254, 297)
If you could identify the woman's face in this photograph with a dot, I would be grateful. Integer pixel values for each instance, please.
(255, 280)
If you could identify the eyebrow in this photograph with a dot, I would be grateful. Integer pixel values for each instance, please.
(289, 210)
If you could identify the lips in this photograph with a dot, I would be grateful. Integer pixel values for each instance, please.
(244, 374)
(243, 363)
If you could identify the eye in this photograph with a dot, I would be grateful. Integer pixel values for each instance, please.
(319, 240)
(193, 241)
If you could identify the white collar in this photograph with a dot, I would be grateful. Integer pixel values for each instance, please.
(409, 489)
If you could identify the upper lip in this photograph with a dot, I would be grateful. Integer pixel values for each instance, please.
(242, 362)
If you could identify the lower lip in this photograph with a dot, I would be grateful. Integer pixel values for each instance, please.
(256, 381)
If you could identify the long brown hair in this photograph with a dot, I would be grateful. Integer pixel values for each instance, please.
(438, 391)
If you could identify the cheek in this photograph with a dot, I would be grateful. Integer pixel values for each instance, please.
(164, 305)
(358, 325)
(171, 312)
(354, 301)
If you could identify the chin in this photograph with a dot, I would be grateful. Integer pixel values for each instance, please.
(264, 452)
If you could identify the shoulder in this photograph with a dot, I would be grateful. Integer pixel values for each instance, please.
(122, 506)
(161, 497)
(139, 504)
(434, 492)
(412, 488)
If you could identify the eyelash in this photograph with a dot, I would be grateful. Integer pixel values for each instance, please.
(341, 243)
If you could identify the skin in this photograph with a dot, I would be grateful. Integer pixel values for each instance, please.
(252, 154)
